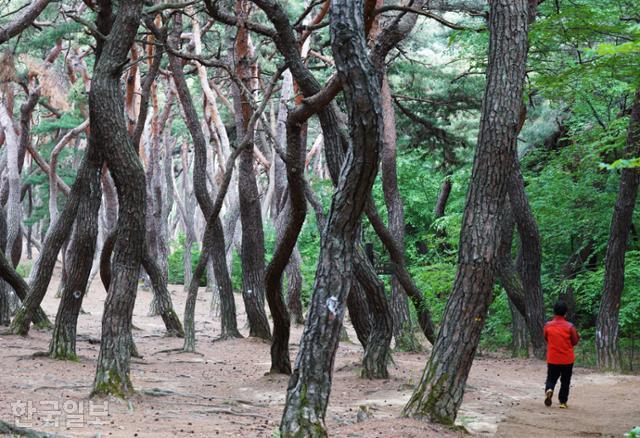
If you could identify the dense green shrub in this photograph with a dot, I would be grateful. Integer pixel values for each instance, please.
(176, 261)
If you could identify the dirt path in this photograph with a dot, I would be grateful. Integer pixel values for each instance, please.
(599, 406)
(223, 390)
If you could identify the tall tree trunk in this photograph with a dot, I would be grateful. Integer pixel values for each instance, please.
(218, 255)
(377, 351)
(531, 253)
(252, 254)
(5, 290)
(292, 270)
(439, 393)
(109, 132)
(401, 272)
(359, 313)
(310, 383)
(608, 354)
(63, 338)
(294, 286)
(402, 327)
(13, 206)
(357, 304)
(443, 197)
(519, 334)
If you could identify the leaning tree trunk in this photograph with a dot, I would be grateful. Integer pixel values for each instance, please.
(109, 132)
(519, 335)
(54, 240)
(294, 287)
(359, 313)
(531, 253)
(217, 253)
(377, 351)
(277, 207)
(13, 206)
(252, 254)
(161, 294)
(439, 393)
(294, 213)
(357, 304)
(310, 383)
(511, 281)
(608, 354)
(63, 338)
(5, 290)
(402, 327)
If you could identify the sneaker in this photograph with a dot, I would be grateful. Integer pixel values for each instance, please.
(563, 406)
(548, 395)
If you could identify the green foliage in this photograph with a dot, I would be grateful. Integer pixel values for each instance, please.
(24, 268)
(176, 261)
(497, 329)
(67, 121)
(48, 35)
(588, 291)
(633, 433)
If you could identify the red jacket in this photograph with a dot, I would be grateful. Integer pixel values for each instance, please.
(561, 336)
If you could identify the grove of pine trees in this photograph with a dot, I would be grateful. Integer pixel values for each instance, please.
(435, 172)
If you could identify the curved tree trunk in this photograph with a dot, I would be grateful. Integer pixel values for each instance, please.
(23, 19)
(402, 327)
(359, 313)
(11, 278)
(357, 304)
(377, 352)
(531, 251)
(63, 338)
(310, 383)
(162, 297)
(294, 286)
(109, 132)
(401, 272)
(519, 334)
(13, 206)
(439, 393)
(280, 198)
(54, 240)
(252, 254)
(218, 255)
(608, 354)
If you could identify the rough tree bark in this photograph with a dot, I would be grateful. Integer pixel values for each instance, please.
(63, 339)
(294, 213)
(377, 351)
(511, 282)
(213, 221)
(217, 254)
(54, 240)
(402, 327)
(109, 132)
(357, 304)
(15, 280)
(310, 383)
(531, 254)
(161, 293)
(278, 212)
(252, 254)
(23, 20)
(608, 354)
(13, 206)
(439, 393)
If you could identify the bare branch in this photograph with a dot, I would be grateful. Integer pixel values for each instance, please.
(24, 20)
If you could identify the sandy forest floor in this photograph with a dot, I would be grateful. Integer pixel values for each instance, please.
(223, 390)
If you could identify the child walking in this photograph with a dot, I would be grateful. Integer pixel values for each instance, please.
(561, 337)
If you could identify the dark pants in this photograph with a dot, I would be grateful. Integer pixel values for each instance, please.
(564, 373)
